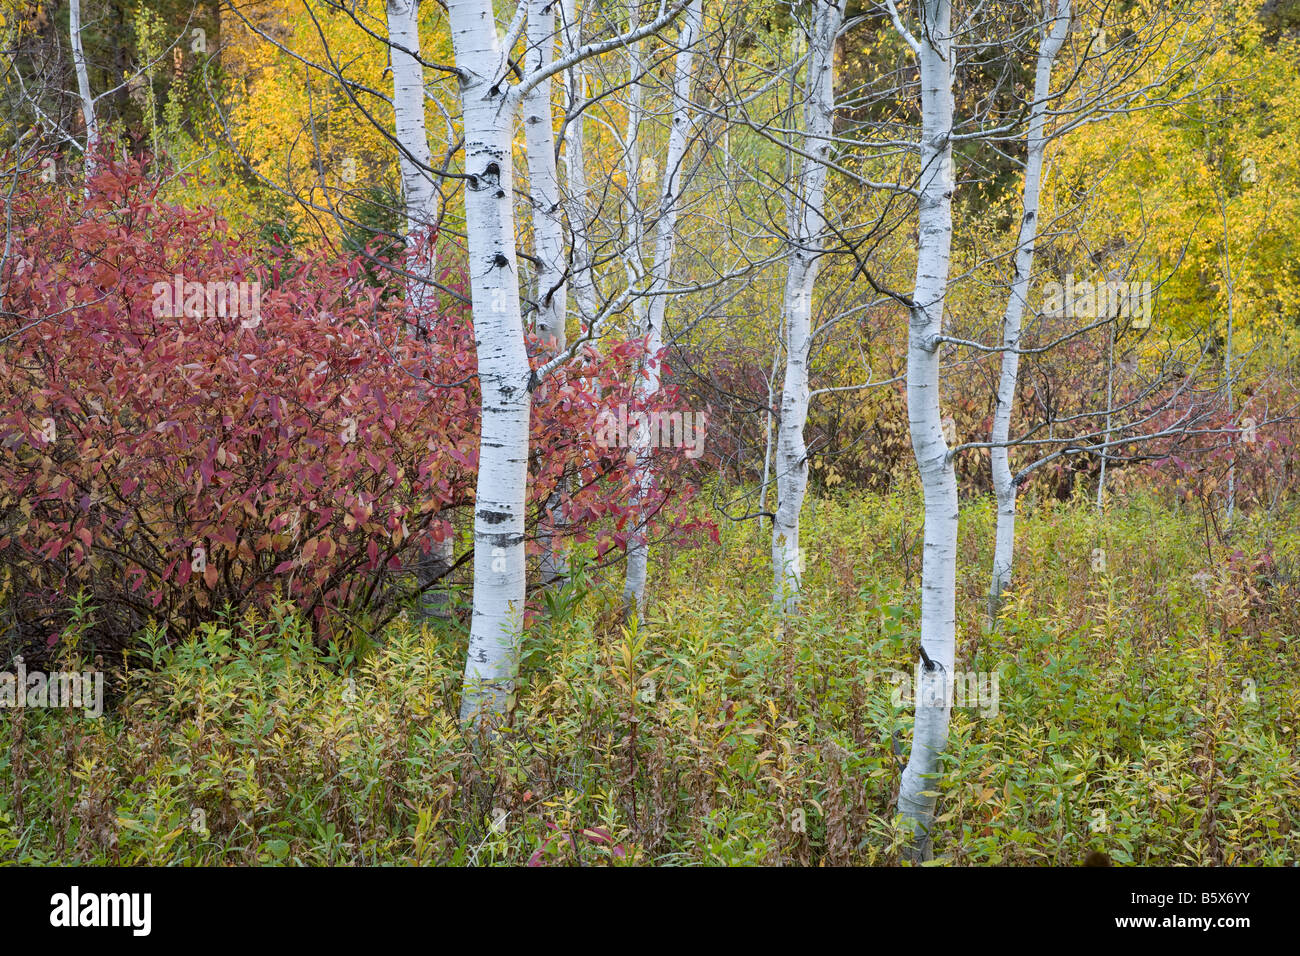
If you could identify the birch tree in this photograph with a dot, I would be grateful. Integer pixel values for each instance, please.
(420, 198)
(575, 169)
(935, 53)
(490, 111)
(616, 209)
(1004, 487)
(87, 101)
(551, 289)
(550, 294)
(419, 192)
(638, 551)
(1080, 100)
(492, 107)
(806, 235)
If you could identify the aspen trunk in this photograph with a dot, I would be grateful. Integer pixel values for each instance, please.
(83, 89)
(638, 551)
(551, 290)
(1004, 486)
(806, 227)
(420, 200)
(489, 118)
(938, 478)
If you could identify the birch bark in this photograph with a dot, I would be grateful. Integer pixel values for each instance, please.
(638, 552)
(489, 115)
(543, 180)
(551, 289)
(935, 53)
(806, 227)
(83, 89)
(490, 110)
(420, 200)
(575, 173)
(1004, 486)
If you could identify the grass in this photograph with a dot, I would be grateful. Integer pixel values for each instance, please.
(1148, 710)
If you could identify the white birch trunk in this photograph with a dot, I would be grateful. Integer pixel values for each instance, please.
(638, 552)
(418, 193)
(768, 421)
(938, 478)
(1230, 286)
(634, 269)
(83, 89)
(1004, 486)
(489, 118)
(421, 203)
(543, 181)
(551, 292)
(806, 228)
(575, 171)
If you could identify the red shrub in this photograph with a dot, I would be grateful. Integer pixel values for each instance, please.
(176, 454)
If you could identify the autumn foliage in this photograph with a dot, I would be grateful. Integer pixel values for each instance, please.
(176, 462)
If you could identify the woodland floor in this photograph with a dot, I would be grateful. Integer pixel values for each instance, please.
(1148, 709)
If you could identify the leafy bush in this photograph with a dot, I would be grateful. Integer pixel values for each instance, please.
(176, 462)
(173, 454)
